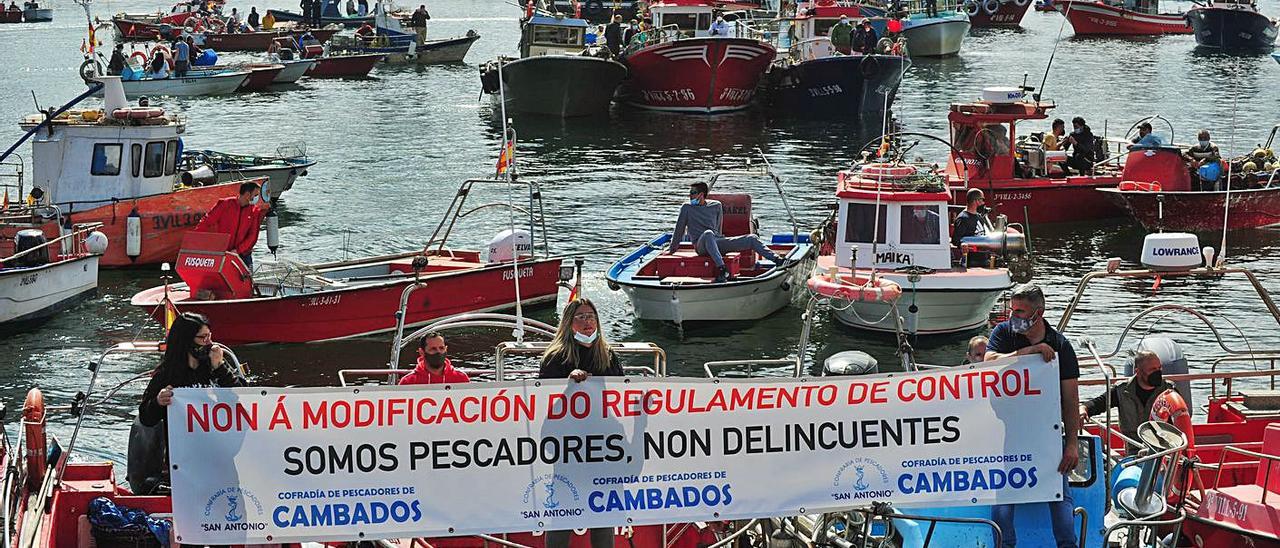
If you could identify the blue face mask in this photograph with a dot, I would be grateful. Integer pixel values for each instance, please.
(255, 200)
(695, 201)
(586, 340)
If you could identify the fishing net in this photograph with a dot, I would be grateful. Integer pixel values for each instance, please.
(287, 274)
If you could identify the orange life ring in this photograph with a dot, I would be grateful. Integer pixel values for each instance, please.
(218, 26)
(142, 57)
(853, 288)
(887, 171)
(168, 55)
(1153, 186)
(37, 457)
(1171, 408)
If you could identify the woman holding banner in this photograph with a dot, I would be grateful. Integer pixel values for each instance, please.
(578, 352)
(190, 360)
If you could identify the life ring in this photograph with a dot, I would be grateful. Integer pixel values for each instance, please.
(141, 56)
(991, 6)
(887, 171)
(853, 288)
(971, 7)
(1171, 408)
(217, 26)
(1153, 186)
(37, 458)
(1021, 3)
(168, 54)
(194, 24)
(870, 65)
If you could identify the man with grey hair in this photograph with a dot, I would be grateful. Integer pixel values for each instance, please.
(1025, 333)
(1134, 396)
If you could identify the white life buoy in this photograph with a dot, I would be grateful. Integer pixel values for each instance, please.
(971, 7)
(133, 235)
(853, 288)
(887, 171)
(991, 6)
(1021, 3)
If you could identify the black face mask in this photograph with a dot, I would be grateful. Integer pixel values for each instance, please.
(1155, 379)
(434, 360)
(201, 352)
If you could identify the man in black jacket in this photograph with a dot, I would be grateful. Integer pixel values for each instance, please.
(1133, 397)
(613, 34)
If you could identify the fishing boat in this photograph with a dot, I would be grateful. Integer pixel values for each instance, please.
(814, 80)
(401, 45)
(330, 14)
(33, 13)
(116, 166)
(280, 170)
(938, 36)
(290, 302)
(1097, 17)
(344, 66)
(995, 13)
(294, 70)
(682, 287)
(41, 277)
(1232, 25)
(11, 15)
(683, 68)
(557, 74)
(599, 11)
(1276, 56)
(259, 40)
(194, 84)
(893, 223)
(261, 76)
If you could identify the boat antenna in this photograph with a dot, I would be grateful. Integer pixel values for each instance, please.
(1036, 95)
(1226, 203)
(508, 172)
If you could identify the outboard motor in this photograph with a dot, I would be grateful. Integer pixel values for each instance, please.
(507, 245)
(489, 78)
(28, 239)
(200, 176)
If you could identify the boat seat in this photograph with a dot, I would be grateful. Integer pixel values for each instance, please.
(1268, 475)
(686, 263)
(434, 264)
(737, 213)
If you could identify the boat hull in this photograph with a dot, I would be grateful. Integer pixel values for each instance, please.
(1047, 200)
(1091, 18)
(189, 86)
(360, 310)
(10, 16)
(935, 37)
(29, 295)
(560, 85)
(947, 301)
(38, 15)
(130, 29)
(258, 41)
(1232, 29)
(433, 52)
(293, 71)
(279, 178)
(845, 85)
(344, 66)
(260, 77)
(1200, 211)
(1008, 14)
(697, 75)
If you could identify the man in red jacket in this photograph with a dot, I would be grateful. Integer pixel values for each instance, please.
(240, 217)
(433, 363)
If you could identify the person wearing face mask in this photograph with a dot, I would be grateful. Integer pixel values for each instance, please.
(720, 28)
(1082, 144)
(578, 352)
(699, 222)
(1133, 397)
(1204, 161)
(239, 216)
(434, 366)
(841, 36)
(191, 360)
(1026, 333)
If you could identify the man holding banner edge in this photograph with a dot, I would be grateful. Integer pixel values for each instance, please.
(1026, 332)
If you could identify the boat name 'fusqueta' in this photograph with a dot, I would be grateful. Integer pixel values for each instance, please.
(200, 262)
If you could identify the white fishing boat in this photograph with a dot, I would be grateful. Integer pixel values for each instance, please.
(196, 84)
(938, 36)
(293, 70)
(681, 286)
(893, 224)
(41, 277)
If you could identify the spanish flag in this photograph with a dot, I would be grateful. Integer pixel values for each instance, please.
(92, 38)
(507, 157)
(170, 314)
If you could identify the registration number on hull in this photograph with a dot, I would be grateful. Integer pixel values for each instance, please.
(668, 95)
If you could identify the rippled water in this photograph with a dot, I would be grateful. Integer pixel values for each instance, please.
(394, 148)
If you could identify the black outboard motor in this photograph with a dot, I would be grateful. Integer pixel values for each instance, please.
(27, 239)
(489, 78)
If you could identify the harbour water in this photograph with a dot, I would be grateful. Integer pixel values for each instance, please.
(394, 148)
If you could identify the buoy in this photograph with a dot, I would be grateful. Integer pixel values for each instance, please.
(133, 235)
(96, 242)
(36, 446)
(64, 229)
(273, 230)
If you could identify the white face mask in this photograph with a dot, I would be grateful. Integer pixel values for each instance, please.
(586, 340)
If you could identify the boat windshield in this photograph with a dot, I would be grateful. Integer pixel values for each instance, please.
(687, 21)
(548, 35)
(920, 224)
(860, 222)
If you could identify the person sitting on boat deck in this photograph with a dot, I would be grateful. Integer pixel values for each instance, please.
(865, 38)
(1204, 161)
(1053, 140)
(613, 35)
(720, 28)
(578, 352)
(240, 216)
(158, 70)
(419, 21)
(181, 58)
(1026, 332)
(1081, 142)
(841, 36)
(116, 65)
(434, 366)
(1145, 138)
(971, 222)
(269, 22)
(1133, 397)
(191, 360)
(699, 222)
(253, 19)
(977, 352)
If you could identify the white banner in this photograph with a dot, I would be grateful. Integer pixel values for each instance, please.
(257, 465)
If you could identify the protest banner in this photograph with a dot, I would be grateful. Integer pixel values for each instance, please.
(257, 465)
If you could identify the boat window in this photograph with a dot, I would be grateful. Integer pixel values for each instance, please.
(106, 159)
(687, 21)
(822, 27)
(547, 35)
(135, 158)
(859, 222)
(170, 157)
(920, 224)
(153, 161)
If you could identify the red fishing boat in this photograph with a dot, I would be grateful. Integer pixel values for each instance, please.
(261, 76)
(1022, 179)
(145, 26)
(1094, 17)
(259, 41)
(683, 68)
(288, 302)
(996, 13)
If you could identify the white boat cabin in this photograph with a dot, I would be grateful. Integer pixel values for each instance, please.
(683, 18)
(87, 158)
(546, 35)
(911, 228)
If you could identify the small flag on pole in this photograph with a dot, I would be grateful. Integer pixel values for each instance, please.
(507, 157)
(170, 314)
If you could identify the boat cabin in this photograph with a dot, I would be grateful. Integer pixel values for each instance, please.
(815, 19)
(683, 18)
(911, 228)
(984, 134)
(87, 158)
(547, 35)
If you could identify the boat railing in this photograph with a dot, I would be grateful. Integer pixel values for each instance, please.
(71, 244)
(768, 172)
(1262, 457)
(462, 321)
(13, 171)
(536, 217)
(509, 349)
